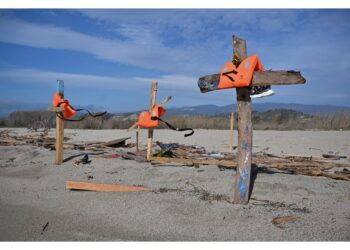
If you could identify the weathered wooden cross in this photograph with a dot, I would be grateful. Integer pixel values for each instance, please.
(244, 110)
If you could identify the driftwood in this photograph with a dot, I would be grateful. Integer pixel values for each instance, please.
(291, 164)
(43, 140)
(190, 155)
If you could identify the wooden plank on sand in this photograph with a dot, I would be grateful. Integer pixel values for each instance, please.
(101, 187)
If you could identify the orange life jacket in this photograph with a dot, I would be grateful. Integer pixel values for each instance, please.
(58, 101)
(241, 76)
(149, 119)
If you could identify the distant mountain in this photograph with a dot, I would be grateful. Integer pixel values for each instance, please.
(259, 107)
(7, 107)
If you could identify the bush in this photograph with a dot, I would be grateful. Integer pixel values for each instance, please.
(279, 119)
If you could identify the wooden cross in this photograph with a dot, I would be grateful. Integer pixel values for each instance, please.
(244, 110)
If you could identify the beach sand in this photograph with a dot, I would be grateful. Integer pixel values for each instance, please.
(186, 203)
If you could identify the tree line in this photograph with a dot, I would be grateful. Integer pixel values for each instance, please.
(278, 119)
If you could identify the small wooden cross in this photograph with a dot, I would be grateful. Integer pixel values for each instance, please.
(242, 188)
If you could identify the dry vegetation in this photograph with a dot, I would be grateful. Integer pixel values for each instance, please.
(279, 119)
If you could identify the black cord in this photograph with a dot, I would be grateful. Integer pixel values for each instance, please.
(173, 128)
(61, 116)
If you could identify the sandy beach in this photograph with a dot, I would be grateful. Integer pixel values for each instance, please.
(185, 204)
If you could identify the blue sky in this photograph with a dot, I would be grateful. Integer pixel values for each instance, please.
(109, 57)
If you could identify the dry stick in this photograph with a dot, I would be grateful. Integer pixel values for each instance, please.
(245, 134)
(231, 132)
(154, 89)
(168, 98)
(133, 126)
(59, 129)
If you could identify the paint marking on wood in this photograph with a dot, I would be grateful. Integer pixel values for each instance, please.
(245, 136)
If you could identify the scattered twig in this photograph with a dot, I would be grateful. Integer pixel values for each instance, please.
(279, 221)
(44, 227)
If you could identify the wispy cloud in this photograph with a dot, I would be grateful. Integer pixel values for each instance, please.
(177, 46)
(40, 77)
(145, 55)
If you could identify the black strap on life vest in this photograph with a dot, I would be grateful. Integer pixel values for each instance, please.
(230, 72)
(60, 114)
(173, 128)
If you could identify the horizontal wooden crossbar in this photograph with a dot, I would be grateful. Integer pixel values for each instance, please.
(55, 109)
(281, 77)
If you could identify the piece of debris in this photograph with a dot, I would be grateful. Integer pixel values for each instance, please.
(76, 163)
(280, 221)
(215, 154)
(44, 227)
(334, 157)
(109, 156)
(191, 155)
(43, 140)
(279, 205)
(85, 159)
(304, 158)
(89, 177)
(167, 146)
(101, 187)
(164, 153)
(117, 143)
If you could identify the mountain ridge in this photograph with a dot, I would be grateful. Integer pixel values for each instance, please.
(209, 109)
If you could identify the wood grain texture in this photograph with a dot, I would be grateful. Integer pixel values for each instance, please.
(281, 77)
(59, 129)
(154, 89)
(271, 77)
(245, 133)
(184, 161)
(59, 140)
(55, 109)
(100, 187)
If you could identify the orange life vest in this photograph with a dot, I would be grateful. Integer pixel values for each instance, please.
(241, 76)
(58, 101)
(149, 119)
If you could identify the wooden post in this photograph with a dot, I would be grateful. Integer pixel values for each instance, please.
(59, 128)
(137, 138)
(154, 89)
(231, 131)
(245, 133)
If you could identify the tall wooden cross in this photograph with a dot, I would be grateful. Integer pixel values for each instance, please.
(244, 110)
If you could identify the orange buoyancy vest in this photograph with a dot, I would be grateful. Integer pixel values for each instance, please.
(241, 76)
(149, 119)
(58, 101)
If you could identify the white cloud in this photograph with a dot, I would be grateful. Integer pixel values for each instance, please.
(40, 77)
(142, 54)
(288, 39)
